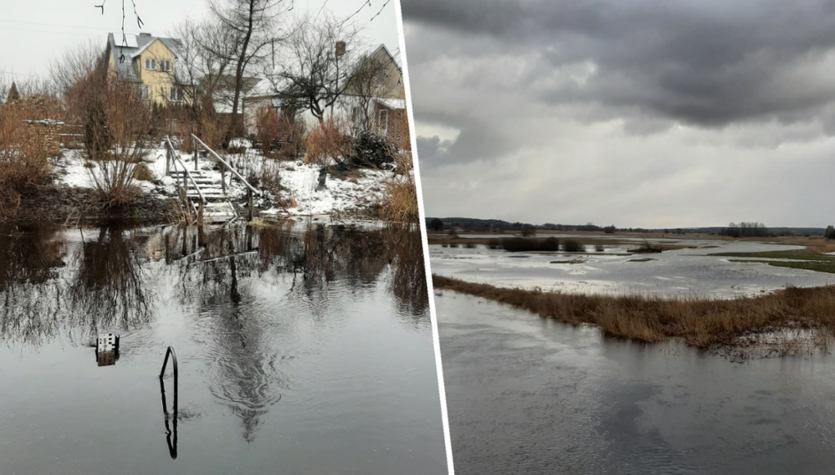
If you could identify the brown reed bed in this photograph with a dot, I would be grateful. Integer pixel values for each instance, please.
(702, 323)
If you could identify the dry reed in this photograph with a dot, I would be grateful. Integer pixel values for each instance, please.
(400, 204)
(701, 323)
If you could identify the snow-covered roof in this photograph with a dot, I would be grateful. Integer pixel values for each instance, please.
(132, 46)
(391, 102)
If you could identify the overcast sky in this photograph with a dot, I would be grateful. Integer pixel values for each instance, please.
(32, 32)
(650, 113)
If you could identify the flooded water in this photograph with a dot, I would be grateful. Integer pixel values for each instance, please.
(528, 395)
(300, 350)
(682, 272)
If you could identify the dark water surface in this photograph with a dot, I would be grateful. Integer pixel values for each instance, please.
(533, 396)
(301, 350)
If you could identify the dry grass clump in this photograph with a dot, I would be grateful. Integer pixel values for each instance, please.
(698, 322)
(401, 201)
(326, 142)
(280, 136)
(24, 150)
(142, 173)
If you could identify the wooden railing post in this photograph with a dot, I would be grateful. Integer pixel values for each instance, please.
(249, 203)
(200, 214)
(167, 160)
(195, 158)
(223, 179)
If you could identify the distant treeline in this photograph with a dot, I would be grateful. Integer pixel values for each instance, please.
(742, 229)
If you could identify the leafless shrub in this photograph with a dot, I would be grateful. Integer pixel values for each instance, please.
(24, 149)
(326, 142)
(280, 135)
(117, 132)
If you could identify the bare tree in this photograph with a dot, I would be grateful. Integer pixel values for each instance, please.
(254, 26)
(321, 56)
(77, 61)
(207, 54)
(366, 81)
(209, 50)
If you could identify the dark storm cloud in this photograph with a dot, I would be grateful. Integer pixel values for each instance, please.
(476, 140)
(707, 63)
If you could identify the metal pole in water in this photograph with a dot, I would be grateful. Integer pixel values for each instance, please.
(172, 447)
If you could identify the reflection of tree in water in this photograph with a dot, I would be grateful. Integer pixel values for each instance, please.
(324, 254)
(100, 287)
(217, 279)
(405, 252)
(217, 282)
(30, 260)
(107, 290)
(105, 285)
(29, 256)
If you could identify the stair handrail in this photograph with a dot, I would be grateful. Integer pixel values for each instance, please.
(169, 352)
(176, 157)
(228, 167)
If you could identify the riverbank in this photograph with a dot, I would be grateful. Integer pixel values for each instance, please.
(289, 189)
(68, 205)
(787, 321)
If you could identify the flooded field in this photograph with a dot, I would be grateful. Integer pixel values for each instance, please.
(690, 271)
(300, 350)
(530, 395)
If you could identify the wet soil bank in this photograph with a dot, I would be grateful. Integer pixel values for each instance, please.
(69, 205)
(790, 321)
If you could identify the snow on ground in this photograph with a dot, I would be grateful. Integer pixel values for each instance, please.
(299, 182)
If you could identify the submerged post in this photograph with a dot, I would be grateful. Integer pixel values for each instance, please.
(172, 447)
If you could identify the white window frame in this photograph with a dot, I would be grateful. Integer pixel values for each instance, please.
(144, 93)
(175, 94)
(165, 65)
(383, 122)
(153, 64)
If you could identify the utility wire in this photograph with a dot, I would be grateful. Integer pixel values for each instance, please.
(367, 3)
(378, 12)
(54, 24)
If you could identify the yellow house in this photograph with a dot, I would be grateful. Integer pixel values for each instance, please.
(149, 62)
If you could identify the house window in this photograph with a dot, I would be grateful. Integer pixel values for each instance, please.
(165, 65)
(143, 92)
(383, 122)
(150, 64)
(381, 77)
(176, 94)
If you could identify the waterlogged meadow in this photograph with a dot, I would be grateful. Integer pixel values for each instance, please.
(690, 268)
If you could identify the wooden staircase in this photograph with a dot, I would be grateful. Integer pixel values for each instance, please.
(206, 196)
(217, 207)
